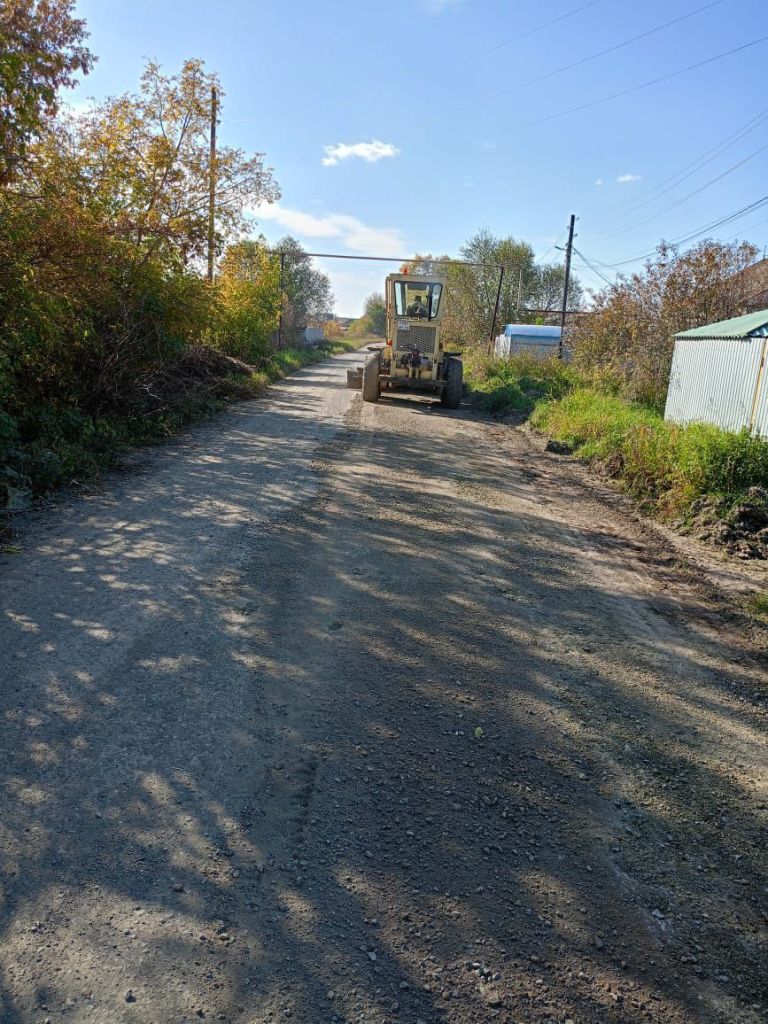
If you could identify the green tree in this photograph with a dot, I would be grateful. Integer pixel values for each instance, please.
(41, 51)
(374, 319)
(472, 287)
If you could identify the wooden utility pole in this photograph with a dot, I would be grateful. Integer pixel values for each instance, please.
(212, 184)
(492, 336)
(568, 253)
(282, 301)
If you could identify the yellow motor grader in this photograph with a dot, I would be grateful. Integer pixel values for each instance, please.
(413, 358)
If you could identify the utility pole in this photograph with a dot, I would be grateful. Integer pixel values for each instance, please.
(568, 252)
(492, 336)
(280, 311)
(519, 294)
(212, 184)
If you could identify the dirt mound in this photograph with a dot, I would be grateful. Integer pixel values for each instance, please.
(741, 528)
(198, 371)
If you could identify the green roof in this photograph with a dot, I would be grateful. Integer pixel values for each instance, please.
(736, 327)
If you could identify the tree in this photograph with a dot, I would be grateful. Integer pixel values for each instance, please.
(376, 314)
(249, 296)
(306, 291)
(472, 287)
(547, 286)
(41, 50)
(630, 333)
(146, 159)
(374, 318)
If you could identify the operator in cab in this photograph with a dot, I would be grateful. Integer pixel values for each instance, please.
(417, 308)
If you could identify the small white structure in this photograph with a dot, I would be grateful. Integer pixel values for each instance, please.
(313, 335)
(538, 339)
(719, 375)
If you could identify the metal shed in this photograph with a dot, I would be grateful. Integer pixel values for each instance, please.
(719, 375)
(539, 339)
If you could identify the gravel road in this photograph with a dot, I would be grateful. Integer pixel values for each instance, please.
(341, 713)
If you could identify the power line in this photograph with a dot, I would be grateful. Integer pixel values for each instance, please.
(745, 231)
(690, 195)
(524, 35)
(609, 49)
(593, 269)
(683, 240)
(554, 245)
(631, 89)
(700, 162)
(586, 272)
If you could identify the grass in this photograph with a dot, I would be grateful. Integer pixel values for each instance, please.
(46, 448)
(666, 466)
(758, 605)
(503, 386)
(675, 472)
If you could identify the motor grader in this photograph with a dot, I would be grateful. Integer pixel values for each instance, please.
(413, 358)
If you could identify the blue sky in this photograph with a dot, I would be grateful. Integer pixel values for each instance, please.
(406, 126)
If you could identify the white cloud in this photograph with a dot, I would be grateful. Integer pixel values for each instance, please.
(353, 233)
(371, 152)
(627, 179)
(599, 182)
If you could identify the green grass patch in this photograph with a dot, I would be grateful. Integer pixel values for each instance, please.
(666, 466)
(515, 385)
(758, 605)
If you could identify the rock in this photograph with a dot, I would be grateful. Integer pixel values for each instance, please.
(559, 447)
(130, 997)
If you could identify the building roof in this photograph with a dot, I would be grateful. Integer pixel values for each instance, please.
(737, 327)
(540, 331)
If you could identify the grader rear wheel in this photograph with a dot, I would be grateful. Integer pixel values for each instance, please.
(454, 384)
(371, 385)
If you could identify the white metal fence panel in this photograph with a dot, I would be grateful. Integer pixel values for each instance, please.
(713, 380)
(542, 348)
(761, 403)
(313, 335)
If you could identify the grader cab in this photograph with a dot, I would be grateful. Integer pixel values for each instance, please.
(413, 358)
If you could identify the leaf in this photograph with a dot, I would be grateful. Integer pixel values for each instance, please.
(479, 732)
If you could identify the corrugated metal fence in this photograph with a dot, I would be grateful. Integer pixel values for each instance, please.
(720, 380)
(541, 347)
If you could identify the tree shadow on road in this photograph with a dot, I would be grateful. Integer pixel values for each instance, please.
(424, 749)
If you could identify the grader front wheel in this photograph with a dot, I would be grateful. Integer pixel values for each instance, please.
(371, 385)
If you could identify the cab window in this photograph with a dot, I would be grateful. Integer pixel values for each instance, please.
(417, 300)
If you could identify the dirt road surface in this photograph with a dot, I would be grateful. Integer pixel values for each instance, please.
(342, 713)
